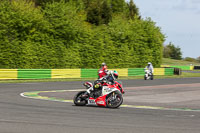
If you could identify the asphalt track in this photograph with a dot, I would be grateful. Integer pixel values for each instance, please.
(24, 115)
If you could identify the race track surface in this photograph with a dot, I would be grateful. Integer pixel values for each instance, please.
(24, 115)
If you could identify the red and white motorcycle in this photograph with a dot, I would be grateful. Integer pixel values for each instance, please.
(109, 96)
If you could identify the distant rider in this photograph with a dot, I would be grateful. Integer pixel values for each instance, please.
(150, 67)
(103, 70)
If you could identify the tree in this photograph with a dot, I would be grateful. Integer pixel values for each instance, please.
(86, 3)
(166, 52)
(198, 59)
(172, 51)
(106, 13)
(42, 2)
(57, 35)
(133, 10)
(190, 59)
(99, 12)
(117, 5)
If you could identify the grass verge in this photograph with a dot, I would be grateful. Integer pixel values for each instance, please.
(167, 61)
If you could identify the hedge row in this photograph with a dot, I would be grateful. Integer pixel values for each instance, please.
(57, 36)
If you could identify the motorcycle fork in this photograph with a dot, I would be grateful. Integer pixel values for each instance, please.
(113, 95)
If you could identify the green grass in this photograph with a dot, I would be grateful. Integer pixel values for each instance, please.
(167, 61)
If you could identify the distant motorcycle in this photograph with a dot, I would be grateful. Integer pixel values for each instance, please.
(109, 96)
(148, 75)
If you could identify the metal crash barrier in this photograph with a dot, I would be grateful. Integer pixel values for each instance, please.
(74, 73)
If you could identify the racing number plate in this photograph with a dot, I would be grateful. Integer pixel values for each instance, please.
(91, 102)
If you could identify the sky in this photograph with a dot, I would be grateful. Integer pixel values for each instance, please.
(179, 21)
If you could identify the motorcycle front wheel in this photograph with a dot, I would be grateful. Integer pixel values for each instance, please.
(145, 77)
(151, 77)
(114, 100)
(78, 100)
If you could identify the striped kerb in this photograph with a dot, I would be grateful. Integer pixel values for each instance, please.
(8, 73)
(89, 73)
(65, 73)
(34, 73)
(159, 71)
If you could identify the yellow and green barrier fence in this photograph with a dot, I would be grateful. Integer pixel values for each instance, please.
(8, 74)
(73, 73)
(181, 67)
(34, 74)
(65, 73)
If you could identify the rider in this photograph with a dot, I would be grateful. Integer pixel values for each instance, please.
(110, 77)
(103, 70)
(150, 67)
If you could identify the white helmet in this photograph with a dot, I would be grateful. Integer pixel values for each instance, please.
(103, 64)
(149, 63)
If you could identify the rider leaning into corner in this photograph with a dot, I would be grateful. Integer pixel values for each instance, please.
(150, 67)
(108, 75)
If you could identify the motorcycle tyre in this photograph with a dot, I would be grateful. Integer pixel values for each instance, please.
(82, 103)
(116, 106)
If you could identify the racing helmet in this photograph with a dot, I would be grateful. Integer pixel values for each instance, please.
(97, 85)
(103, 64)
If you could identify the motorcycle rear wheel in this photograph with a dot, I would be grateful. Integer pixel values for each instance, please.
(114, 103)
(78, 101)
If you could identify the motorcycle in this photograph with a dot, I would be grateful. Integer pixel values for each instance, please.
(109, 96)
(148, 75)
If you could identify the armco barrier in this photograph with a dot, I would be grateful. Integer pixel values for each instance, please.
(74, 73)
(8, 73)
(122, 72)
(191, 67)
(181, 67)
(34, 74)
(169, 71)
(89, 73)
(66, 73)
(135, 71)
(159, 71)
